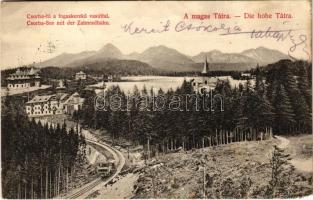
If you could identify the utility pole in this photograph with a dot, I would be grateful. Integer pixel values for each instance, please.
(148, 147)
(204, 182)
(154, 185)
(203, 144)
(203, 138)
(204, 175)
(204, 196)
(59, 171)
(129, 119)
(66, 179)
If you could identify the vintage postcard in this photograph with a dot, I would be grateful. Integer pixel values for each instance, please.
(156, 99)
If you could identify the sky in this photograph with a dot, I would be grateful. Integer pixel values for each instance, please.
(22, 44)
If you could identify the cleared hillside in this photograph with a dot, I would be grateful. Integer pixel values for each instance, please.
(237, 170)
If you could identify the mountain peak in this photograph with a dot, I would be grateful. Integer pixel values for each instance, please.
(109, 46)
(261, 48)
(215, 51)
(109, 51)
(159, 47)
(63, 54)
(264, 55)
(162, 46)
(163, 57)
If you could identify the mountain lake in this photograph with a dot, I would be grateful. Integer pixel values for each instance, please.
(128, 83)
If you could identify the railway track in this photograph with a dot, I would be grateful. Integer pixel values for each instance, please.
(117, 155)
(86, 189)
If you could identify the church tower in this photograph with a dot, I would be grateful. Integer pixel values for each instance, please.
(205, 70)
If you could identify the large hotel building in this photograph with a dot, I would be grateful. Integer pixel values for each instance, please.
(23, 78)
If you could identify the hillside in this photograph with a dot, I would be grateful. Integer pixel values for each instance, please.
(103, 67)
(237, 170)
(121, 67)
(65, 58)
(107, 52)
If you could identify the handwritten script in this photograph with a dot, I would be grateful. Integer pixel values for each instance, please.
(297, 40)
(181, 26)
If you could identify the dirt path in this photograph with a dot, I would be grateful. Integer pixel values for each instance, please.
(301, 164)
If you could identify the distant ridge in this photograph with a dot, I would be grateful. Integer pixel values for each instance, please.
(216, 56)
(264, 55)
(165, 58)
(168, 59)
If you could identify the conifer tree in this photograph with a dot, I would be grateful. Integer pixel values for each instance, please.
(284, 114)
(304, 86)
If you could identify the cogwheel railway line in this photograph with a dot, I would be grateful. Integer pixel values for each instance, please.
(120, 162)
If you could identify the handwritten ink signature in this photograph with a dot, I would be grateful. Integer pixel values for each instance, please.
(181, 26)
(292, 35)
(184, 26)
(302, 38)
(132, 30)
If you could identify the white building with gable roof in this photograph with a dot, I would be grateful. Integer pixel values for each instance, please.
(73, 103)
(46, 105)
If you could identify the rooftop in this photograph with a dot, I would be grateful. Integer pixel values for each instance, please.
(45, 98)
(81, 73)
(74, 99)
(62, 96)
(24, 74)
(38, 99)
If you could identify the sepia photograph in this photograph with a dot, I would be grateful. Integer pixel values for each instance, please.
(156, 100)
